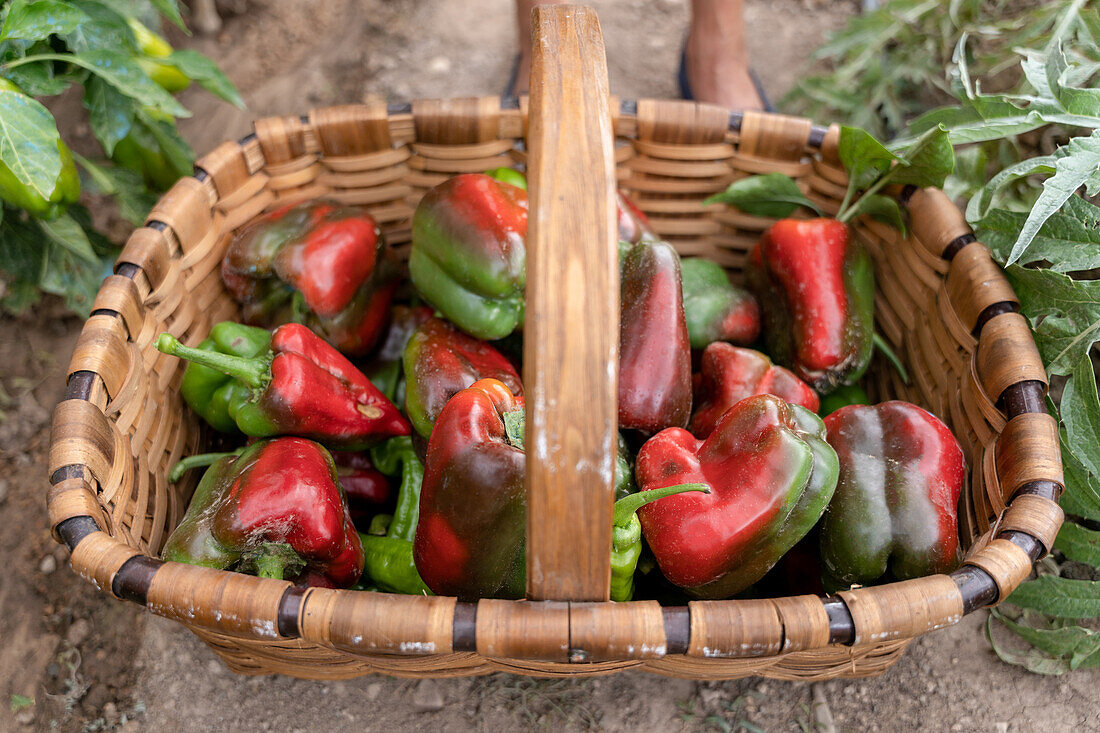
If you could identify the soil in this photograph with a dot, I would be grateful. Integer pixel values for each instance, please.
(91, 663)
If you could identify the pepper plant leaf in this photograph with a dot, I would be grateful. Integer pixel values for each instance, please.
(205, 72)
(1059, 597)
(28, 142)
(36, 21)
(110, 111)
(1068, 241)
(122, 72)
(772, 195)
(1079, 544)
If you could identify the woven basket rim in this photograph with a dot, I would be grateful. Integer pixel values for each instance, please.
(984, 580)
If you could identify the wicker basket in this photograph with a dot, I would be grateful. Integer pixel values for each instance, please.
(941, 301)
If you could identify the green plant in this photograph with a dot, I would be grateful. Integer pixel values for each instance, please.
(126, 74)
(1038, 219)
(896, 55)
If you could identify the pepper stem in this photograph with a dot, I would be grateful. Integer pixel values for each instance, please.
(627, 506)
(514, 425)
(881, 345)
(273, 559)
(253, 372)
(202, 459)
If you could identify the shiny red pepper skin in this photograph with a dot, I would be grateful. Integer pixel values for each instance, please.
(367, 489)
(439, 362)
(470, 536)
(654, 354)
(729, 374)
(771, 475)
(634, 225)
(302, 386)
(317, 263)
(901, 473)
(815, 285)
(277, 509)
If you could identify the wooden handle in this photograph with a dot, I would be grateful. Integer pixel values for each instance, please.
(571, 332)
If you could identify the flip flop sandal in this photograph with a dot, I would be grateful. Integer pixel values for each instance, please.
(685, 85)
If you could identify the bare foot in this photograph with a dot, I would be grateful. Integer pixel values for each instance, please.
(717, 59)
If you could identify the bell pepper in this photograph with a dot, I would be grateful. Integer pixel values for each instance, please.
(729, 374)
(388, 546)
(470, 540)
(384, 368)
(771, 475)
(851, 394)
(816, 287)
(366, 488)
(316, 263)
(276, 510)
(654, 353)
(901, 473)
(468, 258)
(300, 386)
(715, 309)
(209, 391)
(154, 47)
(66, 189)
(439, 362)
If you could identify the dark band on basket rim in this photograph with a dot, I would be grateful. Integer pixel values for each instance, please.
(290, 610)
(464, 627)
(842, 627)
(134, 577)
(955, 245)
(677, 622)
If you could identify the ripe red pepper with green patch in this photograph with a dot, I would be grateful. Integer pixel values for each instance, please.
(654, 352)
(441, 361)
(901, 473)
(770, 473)
(816, 286)
(276, 510)
(317, 263)
(470, 540)
(729, 374)
(300, 386)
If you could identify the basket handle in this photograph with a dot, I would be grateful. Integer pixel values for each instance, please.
(571, 331)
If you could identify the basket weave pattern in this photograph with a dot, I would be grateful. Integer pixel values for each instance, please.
(941, 302)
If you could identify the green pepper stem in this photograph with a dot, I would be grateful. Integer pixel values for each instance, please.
(881, 345)
(253, 372)
(270, 566)
(202, 459)
(273, 558)
(627, 506)
(514, 427)
(380, 524)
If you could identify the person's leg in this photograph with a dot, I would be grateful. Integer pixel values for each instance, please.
(523, 26)
(717, 58)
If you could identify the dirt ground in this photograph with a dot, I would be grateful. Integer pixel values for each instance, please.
(92, 664)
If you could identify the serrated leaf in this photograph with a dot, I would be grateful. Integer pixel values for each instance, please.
(28, 142)
(1059, 597)
(1032, 660)
(36, 21)
(979, 206)
(1069, 241)
(67, 234)
(1082, 495)
(1078, 160)
(1079, 544)
(124, 74)
(772, 195)
(1067, 647)
(110, 112)
(205, 72)
(1080, 409)
(980, 119)
(1064, 314)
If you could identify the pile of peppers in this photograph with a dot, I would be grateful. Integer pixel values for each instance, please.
(385, 416)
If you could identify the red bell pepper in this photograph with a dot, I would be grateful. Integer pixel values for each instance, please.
(771, 475)
(816, 287)
(901, 473)
(302, 386)
(276, 510)
(367, 489)
(317, 263)
(730, 374)
(654, 354)
(441, 361)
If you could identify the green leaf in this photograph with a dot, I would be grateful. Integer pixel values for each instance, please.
(1032, 660)
(881, 208)
(110, 111)
(22, 255)
(1079, 544)
(772, 195)
(1080, 408)
(171, 143)
(205, 72)
(66, 233)
(1077, 162)
(133, 198)
(1067, 647)
(36, 21)
(73, 278)
(927, 162)
(37, 79)
(105, 29)
(28, 142)
(1059, 597)
(979, 206)
(1064, 314)
(171, 10)
(122, 72)
(864, 157)
(1082, 495)
(1069, 241)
